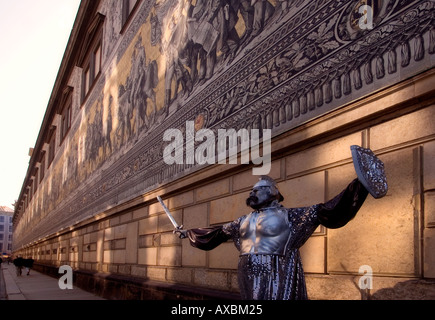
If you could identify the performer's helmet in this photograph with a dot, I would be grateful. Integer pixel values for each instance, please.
(266, 181)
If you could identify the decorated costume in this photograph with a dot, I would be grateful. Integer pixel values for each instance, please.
(269, 237)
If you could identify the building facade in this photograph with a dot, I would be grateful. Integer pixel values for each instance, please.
(6, 215)
(142, 80)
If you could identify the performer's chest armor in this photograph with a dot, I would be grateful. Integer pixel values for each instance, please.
(265, 232)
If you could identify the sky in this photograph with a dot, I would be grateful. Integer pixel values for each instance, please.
(33, 39)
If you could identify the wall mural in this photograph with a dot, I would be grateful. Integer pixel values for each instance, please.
(223, 64)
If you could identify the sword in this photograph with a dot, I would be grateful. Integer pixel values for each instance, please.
(174, 223)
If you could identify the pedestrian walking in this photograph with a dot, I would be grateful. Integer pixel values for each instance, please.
(18, 263)
(28, 264)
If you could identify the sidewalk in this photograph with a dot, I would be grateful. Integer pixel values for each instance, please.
(38, 286)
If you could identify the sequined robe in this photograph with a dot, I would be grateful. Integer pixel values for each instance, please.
(281, 276)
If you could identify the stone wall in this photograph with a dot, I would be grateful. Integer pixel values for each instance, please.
(136, 240)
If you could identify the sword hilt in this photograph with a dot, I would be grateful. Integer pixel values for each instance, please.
(181, 232)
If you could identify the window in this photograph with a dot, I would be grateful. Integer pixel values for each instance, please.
(30, 190)
(42, 167)
(128, 7)
(52, 146)
(2, 218)
(87, 80)
(91, 55)
(35, 181)
(97, 59)
(66, 115)
(92, 70)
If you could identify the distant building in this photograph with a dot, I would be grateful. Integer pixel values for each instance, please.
(6, 215)
(321, 75)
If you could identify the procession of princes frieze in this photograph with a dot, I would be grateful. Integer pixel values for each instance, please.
(251, 63)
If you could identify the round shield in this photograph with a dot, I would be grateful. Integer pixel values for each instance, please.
(370, 171)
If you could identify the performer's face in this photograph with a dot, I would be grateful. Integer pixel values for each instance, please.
(259, 197)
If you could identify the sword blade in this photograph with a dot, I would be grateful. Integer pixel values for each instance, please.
(175, 224)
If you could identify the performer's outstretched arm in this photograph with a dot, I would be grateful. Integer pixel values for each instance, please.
(340, 210)
(207, 238)
(211, 237)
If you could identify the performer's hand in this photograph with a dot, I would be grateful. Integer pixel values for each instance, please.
(182, 234)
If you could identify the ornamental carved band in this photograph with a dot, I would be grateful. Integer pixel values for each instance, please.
(223, 64)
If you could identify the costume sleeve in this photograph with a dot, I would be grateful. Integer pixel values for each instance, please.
(340, 210)
(210, 238)
(207, 238)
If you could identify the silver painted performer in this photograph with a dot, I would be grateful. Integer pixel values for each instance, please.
(269, 237)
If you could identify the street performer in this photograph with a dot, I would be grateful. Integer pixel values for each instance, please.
(269, 237)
